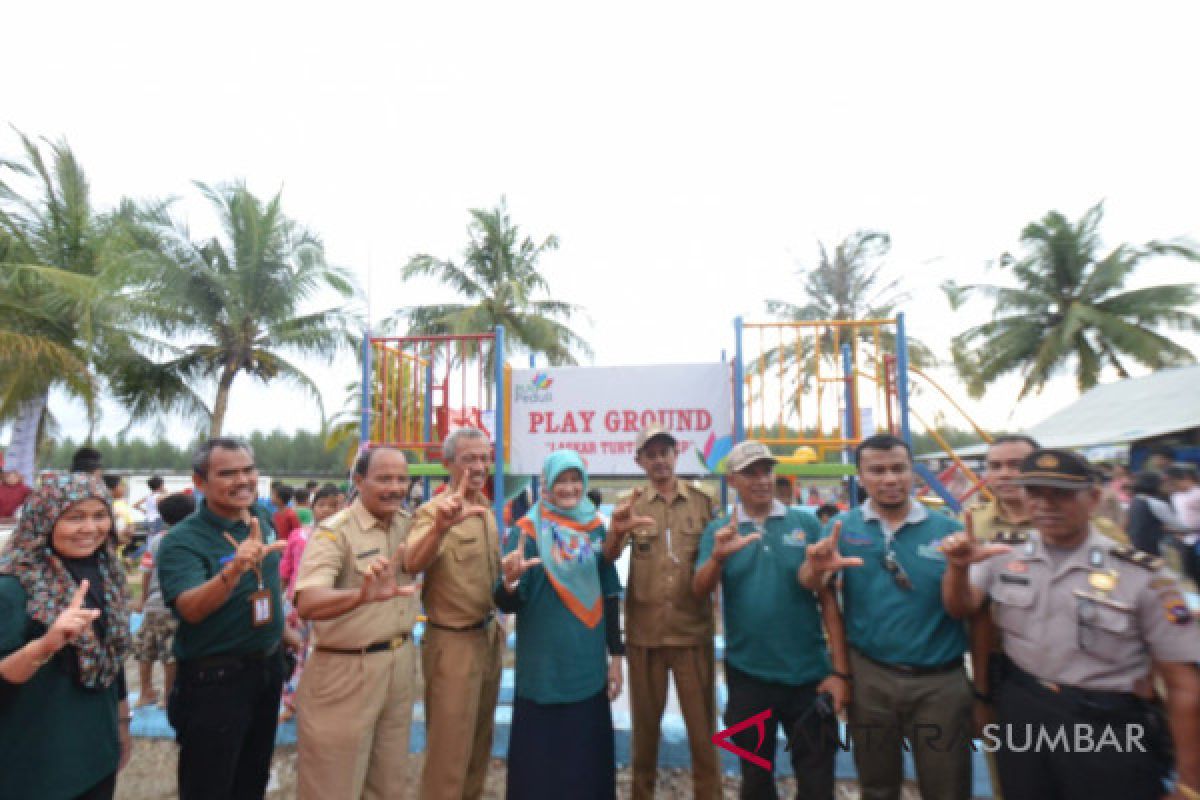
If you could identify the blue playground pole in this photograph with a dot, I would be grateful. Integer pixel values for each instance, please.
(739, 383)
(724, 483)
(535, 484)
(848, 426)
(498, 478)
(902, 378)
(364, 429)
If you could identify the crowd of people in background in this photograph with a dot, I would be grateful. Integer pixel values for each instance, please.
(303, 604)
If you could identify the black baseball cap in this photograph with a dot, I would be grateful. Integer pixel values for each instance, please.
(1059, 469)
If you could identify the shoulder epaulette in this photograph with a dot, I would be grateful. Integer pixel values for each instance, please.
(1010, 537)
(1139, 557)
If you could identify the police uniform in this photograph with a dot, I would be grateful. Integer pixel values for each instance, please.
(461, 654)
(670, 630)
(356, 694)
(1080, 628)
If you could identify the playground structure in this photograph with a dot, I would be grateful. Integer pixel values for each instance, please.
(807, 388)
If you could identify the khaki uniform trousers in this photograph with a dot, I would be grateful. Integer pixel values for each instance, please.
(932, 711)
(354, 713)
(692, 668)
(462, 683)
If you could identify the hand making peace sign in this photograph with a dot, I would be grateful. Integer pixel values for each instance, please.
(728, 540)
(515, 564)
(73, 620)
(452, 507)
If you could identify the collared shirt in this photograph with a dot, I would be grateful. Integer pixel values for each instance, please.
(1089, 619)
(192, 555)
(883, 620)
(988, 520)
(1187, 508)
(458, 583)
(772, 624)
(660, 608)
(339, 551)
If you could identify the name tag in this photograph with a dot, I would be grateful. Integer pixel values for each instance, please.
(1020, 580)
(260, 608)
(374, 551)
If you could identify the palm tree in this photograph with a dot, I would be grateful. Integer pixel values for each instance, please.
(847, 284)
(240, 294)
(498, 281)
(1069, 310)
(74, 302)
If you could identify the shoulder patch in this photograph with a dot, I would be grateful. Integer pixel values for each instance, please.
(1138, 557)
(325, 533)
(1010, 537)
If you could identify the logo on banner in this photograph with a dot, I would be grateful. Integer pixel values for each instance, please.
(537, 390)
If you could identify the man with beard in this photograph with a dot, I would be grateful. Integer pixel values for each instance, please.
(906, 652)
(219, 573)
(356, 695)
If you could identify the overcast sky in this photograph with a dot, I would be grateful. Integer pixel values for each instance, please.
(689, 156)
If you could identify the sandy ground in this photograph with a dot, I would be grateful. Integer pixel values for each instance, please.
(151, 776)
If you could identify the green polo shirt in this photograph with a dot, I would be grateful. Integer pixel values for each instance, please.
(884, 621)
(559, 659)
(195, 551)
(772, 624)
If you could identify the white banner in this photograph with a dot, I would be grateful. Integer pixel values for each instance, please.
(598, 411)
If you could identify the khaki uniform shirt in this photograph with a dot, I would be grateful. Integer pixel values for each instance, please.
(660, 609)
(988, 521)
(458, 583)
(1092, 620)
(338, 552)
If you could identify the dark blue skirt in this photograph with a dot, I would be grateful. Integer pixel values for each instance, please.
(562, 750)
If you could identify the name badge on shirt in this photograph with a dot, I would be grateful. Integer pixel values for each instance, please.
(260, 608)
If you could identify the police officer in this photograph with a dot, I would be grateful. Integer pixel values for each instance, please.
(906, 652)
(786, 650)
(455, 542)
(355, 696)
(668, 629)
(1083, 620)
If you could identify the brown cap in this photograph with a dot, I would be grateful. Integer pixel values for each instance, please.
(1060, 469)
(746, 453)
(652, 431)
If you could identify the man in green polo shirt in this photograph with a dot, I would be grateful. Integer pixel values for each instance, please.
(219, 573)
(776, 658)
(905, 650)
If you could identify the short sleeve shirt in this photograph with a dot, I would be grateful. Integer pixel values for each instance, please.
(660, 608)
(1063, 625)
(457, 591)
(339, 551)
(559, 658)
(772, 623)
(884, 621)
(194, 552)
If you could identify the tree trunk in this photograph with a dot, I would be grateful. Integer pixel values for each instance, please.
(22, 450)
(222, 402)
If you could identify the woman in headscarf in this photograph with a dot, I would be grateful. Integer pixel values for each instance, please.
(64, 634)
(565, 595)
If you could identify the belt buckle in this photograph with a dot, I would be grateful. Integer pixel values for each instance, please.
(398, 641)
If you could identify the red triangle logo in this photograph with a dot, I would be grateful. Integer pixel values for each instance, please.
(722, 739)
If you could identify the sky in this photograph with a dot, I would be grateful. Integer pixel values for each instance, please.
(689, 156)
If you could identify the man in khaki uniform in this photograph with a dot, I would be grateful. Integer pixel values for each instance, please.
(355, 697)
(1083, 621)
(456, 543)
(668, 628)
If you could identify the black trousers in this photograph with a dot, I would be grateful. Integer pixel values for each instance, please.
(813, 738)
(225, 719)
(104, 790)
(1029, 768)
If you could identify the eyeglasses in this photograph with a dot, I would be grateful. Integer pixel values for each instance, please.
(892, 565)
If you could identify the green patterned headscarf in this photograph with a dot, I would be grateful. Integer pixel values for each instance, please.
(31, 559)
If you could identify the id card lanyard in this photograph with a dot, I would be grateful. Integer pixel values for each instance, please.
(260, 601)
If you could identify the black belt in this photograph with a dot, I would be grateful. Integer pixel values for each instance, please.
(1093, 700)
(377, 647)
(226, 660)
(474, 626)
(916, 670)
